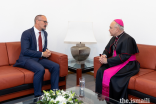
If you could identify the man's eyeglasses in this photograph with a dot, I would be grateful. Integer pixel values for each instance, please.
(43, 21)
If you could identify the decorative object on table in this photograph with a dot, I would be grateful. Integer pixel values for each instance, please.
(59, 97)
(80, 32)
(82, 86)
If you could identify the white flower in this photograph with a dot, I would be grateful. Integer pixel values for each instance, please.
(64, 102)
(48, 99)
(52, 100)
(59, 94)
(67, 92)
(60, 98)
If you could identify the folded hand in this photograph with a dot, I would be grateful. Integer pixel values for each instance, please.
(103, 59)
(46, 53)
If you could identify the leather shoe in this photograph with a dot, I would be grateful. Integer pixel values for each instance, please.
(36, 99)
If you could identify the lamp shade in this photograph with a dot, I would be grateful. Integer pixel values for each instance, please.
(80, 32)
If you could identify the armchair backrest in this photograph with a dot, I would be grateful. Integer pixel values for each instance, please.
(147, 56)
(13, 50)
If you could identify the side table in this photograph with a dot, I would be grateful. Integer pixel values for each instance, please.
(80, 67)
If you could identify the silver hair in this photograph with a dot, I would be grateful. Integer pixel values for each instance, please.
(120, 27)
(37, 17)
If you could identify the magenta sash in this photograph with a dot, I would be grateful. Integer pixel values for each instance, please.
(108, 73)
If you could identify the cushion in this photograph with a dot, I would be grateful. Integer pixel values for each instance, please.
(29, 75)
(146, 56)
(10, 77)
(132, 80)
(147, 84)
(14, 49)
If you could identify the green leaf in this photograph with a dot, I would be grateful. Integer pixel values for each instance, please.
(70, 99)
(49, 102)
(76, 100)
(39, 102)
(57, 102)
(73, 94)
(51, 92)
(80, 101)
(44, 91)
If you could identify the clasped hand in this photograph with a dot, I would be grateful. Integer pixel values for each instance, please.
(103, 59)
(46, 53)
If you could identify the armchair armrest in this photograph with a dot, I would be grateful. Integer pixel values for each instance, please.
(62, 60)
(97, 65)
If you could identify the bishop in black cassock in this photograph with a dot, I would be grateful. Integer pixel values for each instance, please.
(125, 46)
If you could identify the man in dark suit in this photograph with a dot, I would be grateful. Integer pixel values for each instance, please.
(34, 54)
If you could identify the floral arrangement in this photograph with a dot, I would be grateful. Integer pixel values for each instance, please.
(59, 97)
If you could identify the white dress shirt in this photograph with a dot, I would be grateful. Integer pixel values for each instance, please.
(37, 35)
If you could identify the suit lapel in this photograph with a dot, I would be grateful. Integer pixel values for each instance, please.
(34, 37)
(45, 35)
(45, 41)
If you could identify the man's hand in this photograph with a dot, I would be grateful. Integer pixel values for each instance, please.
(103, 59)
(46, 53)
(103, 56)
(101, 97)
(49, 52)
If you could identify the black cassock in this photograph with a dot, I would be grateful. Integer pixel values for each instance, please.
(125, 47)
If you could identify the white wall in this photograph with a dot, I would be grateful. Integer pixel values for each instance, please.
(139, 18)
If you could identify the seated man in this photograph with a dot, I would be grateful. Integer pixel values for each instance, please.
(34, 54)
(119, 63)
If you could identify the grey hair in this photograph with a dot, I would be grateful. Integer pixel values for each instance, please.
(37, 17)
(120, 27)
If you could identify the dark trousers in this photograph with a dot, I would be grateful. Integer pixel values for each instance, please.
(99, 78)
(38, 67)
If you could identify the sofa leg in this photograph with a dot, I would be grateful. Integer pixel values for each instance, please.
(62, 85)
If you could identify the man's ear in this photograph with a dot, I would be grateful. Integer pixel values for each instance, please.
(37, 21)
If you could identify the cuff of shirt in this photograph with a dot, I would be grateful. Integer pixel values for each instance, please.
(42, 54)
(104, 54)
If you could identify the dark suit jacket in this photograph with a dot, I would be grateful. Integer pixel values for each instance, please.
(29, 47)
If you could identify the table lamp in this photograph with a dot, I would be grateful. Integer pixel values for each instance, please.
(80, 33)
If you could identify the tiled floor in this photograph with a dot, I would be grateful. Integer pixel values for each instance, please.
(89, 81)
(71, 82)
